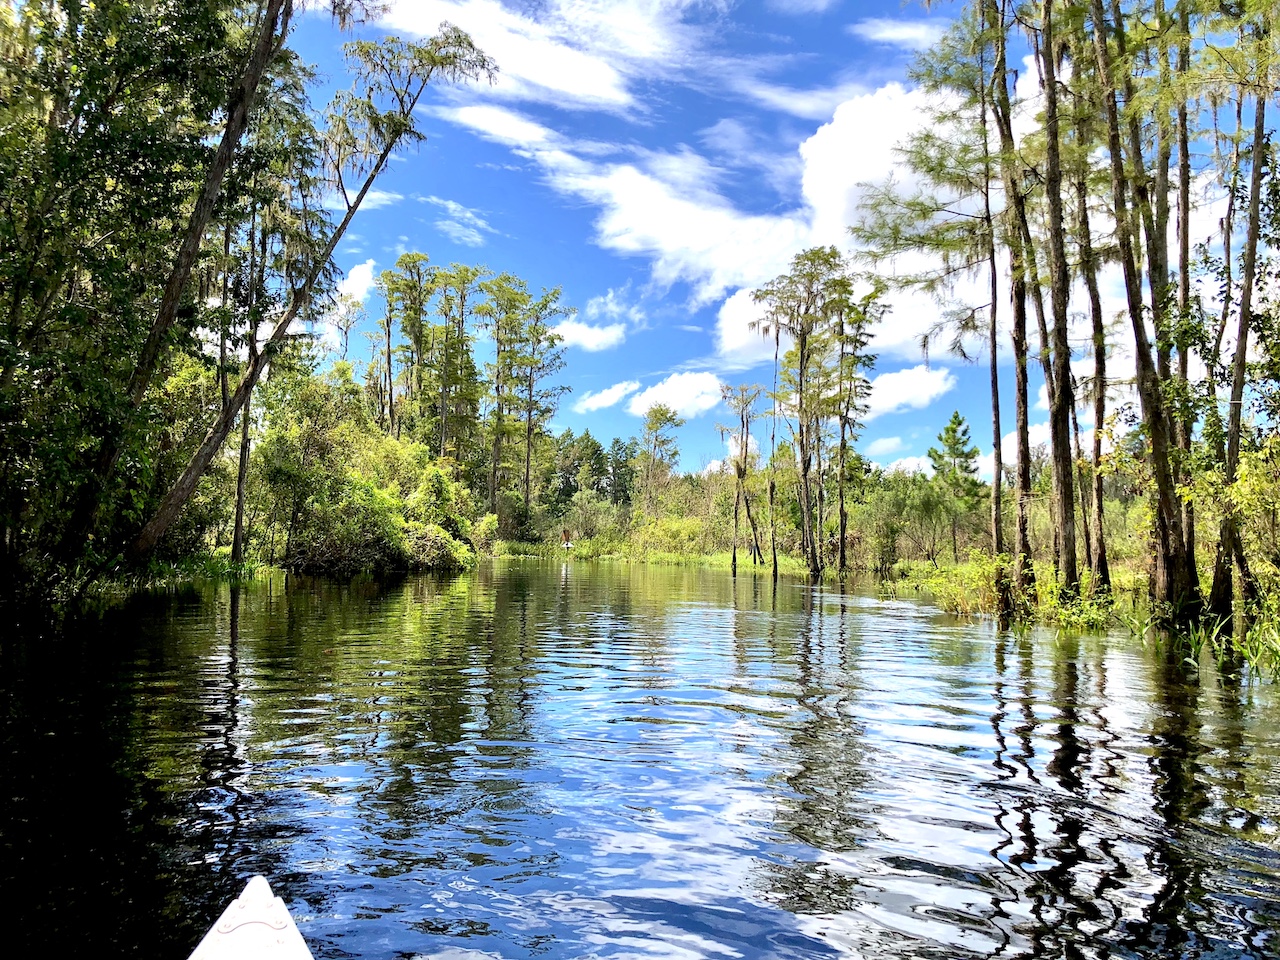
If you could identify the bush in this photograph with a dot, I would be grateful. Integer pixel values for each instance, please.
(431, 548)
(359, 528)
(484, 533)
(669, 535)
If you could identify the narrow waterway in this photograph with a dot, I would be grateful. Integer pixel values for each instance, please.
(579, 761)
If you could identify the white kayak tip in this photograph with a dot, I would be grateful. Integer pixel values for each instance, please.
(255, 926)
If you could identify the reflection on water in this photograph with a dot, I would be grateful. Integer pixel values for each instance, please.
(580, 761)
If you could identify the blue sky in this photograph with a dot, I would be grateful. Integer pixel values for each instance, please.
(659, 159)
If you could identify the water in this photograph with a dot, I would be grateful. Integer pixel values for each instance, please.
(598, 762)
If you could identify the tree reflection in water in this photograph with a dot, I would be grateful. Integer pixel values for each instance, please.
(599, 761)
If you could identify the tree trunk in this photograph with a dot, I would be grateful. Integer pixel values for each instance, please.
(757, 555)
(1082, 486)
(1183, 419)
(1024, 573)
(88, 501)
(1229, 533)
(528, 447)
(391, 389)
(274, 26)
(1099, 567)
(242, 483)
(1061, 401)
(737, 504)
(1175, 586)
(174, 501)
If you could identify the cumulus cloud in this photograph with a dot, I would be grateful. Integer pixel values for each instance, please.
(590, 338)
(912, 389)
(912, 34)
(736, 343)
(688, 394)
(911, 465)
(590, 402)
(358, 281)
(885, 446)
(671, 207)
(614, 305)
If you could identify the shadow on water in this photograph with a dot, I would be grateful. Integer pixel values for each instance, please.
(572, 760)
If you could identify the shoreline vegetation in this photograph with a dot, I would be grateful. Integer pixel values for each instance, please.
(967, 590)
(165, 399)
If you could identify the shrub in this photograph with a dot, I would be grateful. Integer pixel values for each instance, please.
(484, 533)
(431, 547)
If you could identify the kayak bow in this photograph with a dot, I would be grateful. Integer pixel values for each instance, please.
(255, 926)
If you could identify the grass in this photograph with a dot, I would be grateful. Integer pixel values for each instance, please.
(618, 551)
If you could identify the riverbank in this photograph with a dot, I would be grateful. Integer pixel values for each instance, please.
(968, 589)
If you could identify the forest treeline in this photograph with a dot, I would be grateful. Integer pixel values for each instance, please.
(171, 201)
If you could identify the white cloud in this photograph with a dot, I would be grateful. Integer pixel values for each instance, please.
(912, 34)
(663, 206)
(736, 343)
(1042, 398)
(911, 465)
(688, 394)
(911, 389)
(728, 136)
(463, 225)
(358, 281)
(379, 198)
(589, 338)
(373, 200)
(690, 236)
(885, 446)
(801, 6)
(841, 156)
(818, 103)
(576, 54)
(613, 305)
(590, 402)
(499, 123)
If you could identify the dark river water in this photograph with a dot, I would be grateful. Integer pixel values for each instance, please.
(602, 762)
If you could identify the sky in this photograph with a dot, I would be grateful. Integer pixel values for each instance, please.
(658, 160)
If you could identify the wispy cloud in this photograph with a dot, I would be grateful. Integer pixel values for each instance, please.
(600, 400)
(817, 103)
(373, 200)
(802, 6)
(575, 54)
(912, 34)
(461, 224)
(614, 305)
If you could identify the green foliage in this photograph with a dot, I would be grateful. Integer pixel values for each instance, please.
(484, 533)
(668, 534)
(432, 548)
